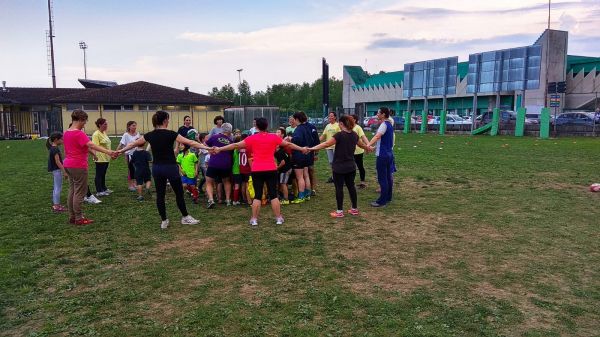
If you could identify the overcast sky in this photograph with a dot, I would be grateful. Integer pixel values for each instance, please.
(200, 44)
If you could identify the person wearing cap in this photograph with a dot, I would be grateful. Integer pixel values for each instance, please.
(219, 165)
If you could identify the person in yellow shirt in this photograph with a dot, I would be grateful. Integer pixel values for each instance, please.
(330, 129)
(359, 152)
(100, 138)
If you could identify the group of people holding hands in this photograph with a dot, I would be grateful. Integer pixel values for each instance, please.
(266, 159)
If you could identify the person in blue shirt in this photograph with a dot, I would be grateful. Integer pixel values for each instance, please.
(385, 165)
(305, 135)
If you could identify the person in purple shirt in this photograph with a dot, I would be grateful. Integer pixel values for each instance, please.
(219, 165)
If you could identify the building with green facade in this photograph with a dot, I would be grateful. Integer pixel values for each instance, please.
(503, 79)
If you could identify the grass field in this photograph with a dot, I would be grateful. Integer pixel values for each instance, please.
(486, 237)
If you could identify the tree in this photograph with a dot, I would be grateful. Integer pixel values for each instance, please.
(226, 92)
(245, 93)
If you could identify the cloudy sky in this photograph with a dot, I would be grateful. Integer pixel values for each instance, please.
(200, 44)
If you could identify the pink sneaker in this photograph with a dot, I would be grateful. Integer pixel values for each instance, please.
(353, 211)
(336, 214)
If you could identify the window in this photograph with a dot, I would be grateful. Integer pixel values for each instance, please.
(72, 107)
(90, 107)
(128, 107)
(111, 107)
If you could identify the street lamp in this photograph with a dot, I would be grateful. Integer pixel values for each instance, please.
(84, 46)
(240, 87)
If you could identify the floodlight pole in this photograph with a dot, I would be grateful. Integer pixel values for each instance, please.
(51, 34)
(83, 46)
(240, 87)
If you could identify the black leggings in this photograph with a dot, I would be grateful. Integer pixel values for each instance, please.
(162, 173)
(258, 181)
(339, 179)
(358, 158)
(100, 179)
(130, 169)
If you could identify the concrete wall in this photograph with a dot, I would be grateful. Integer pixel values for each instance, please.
(583, 90)
(554, 58)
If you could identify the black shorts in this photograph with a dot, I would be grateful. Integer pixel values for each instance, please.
(301, 164)
(258, 181)
(245, 177)
(218, 173)
(142, 177)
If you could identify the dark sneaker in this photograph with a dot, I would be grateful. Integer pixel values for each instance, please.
(376, 204)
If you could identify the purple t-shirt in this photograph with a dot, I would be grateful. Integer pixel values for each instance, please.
(222, 160)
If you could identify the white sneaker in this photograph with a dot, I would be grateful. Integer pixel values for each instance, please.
(92, 200)
(164, 224)
(101, 194)
(189, 220)
(132, 189)
(253, 222)
(279, 221)
(108, 191)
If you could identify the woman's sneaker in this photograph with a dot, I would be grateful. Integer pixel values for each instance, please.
(337, 214)
(253, 222)
(189, 220)
(92, 200)
(353, 211)
(83, 222)
(164, 224)
(285, 202)
(210, 204)
(279, 221)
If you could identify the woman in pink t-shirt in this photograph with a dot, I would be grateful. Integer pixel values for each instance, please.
(264, 168)
(77, 145)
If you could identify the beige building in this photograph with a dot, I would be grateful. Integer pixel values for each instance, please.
(39, 111)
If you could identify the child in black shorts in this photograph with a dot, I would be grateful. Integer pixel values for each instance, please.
(141, 160)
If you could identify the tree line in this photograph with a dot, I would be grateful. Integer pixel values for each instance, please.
(287, 96)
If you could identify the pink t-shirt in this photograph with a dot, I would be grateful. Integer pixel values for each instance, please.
(263, 146)
(76, 149)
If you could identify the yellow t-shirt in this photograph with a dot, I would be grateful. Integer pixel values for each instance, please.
(359, 131)
(330, 130)
(101, 139)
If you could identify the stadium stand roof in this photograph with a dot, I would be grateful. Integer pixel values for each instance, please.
(586, 63)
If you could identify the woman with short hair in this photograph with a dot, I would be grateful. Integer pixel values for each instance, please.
(164, 166)
(77, 144)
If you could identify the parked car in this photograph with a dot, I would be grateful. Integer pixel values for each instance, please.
(372, 121)
(505, 117)
(575, 118)
(450, 120)
(365, 121)
(532, 119)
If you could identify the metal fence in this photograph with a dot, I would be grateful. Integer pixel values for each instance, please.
(242, 117)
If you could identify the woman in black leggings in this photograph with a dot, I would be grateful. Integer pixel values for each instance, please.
(344, 166)
(164, 167)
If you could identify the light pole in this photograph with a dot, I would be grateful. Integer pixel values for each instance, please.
(84, 46)
(240, 86)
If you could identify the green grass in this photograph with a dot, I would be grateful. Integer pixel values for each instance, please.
(486, 237)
